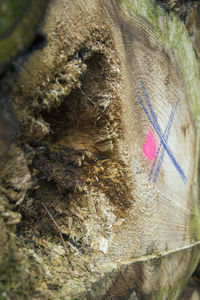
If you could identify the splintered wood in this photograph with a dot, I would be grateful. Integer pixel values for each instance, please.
(112, 144)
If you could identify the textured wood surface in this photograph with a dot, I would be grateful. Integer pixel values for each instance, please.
(109, 141)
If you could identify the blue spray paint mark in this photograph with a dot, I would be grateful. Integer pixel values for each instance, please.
(167, 136)
(163, 137)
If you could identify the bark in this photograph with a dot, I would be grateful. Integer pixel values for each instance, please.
(100, 188)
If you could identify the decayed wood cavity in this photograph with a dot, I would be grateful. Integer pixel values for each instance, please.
(109, 139)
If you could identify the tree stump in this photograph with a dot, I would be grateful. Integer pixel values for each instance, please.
(104, 171)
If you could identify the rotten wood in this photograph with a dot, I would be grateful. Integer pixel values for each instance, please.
(109, 139)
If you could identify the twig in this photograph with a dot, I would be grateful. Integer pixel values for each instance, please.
(61, 236)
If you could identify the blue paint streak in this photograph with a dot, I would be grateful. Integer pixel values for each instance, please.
(150, 105)
(156, 157)
(167, 131)
(157, 129)
(154, 118)
(165, 136)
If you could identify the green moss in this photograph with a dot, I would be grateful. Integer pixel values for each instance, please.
(18, 22)
(14, 281)
(173, 291)
(195, 256)
(169, 292)
(195, 224)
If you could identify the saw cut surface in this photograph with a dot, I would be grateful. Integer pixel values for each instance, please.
(159, 143)
(109, 134)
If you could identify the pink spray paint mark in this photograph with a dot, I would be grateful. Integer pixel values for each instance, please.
(149, 147)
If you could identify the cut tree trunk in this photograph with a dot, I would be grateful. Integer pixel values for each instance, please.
(104, 172)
